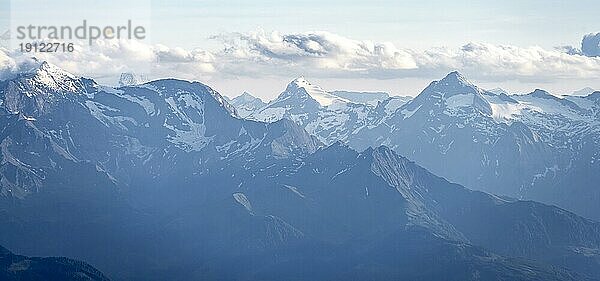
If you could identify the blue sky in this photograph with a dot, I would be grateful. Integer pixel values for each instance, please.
(420, 40)
(415, 24)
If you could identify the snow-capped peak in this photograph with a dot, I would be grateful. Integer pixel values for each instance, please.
(454, 92)
(50, 76)
(453, 84)
(454, 78)
(301, 86)
(300, 82)
(32, 92)
(52, 73)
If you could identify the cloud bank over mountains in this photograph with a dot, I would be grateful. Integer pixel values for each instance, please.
(320, 50)
(340, 56)
(109, 58)
(319, 53)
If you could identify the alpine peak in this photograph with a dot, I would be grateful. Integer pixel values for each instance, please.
(300, 86)
(53, 77)
(48, 69)
(246, 97)
(453, 84)
(454, 78)
(300, 82)
(455, 91)
(540, 93)
(45, 78)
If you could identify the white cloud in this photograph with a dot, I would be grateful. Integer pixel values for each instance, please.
(321, 52)
(330, 55)
(315, 54)
(106, 59)
(504, 62)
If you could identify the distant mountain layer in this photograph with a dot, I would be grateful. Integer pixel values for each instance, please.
(16, 268)
(583, 92)
(246, 104)
(499, 91)
(330, 116)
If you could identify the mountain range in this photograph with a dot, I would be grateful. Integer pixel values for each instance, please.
(165, 180)
(533, 146)
(329, 116)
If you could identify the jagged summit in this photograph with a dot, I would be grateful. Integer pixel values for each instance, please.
(246, 104)
(300, 82)
(48, 77)
(539, 93)
(453, 91)
(246, 97)
(455, 81)
(456, 77)
(46, 67)
(301, 87)
(325, 114)
(33, 92)
(452, 84)
(53, 77)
